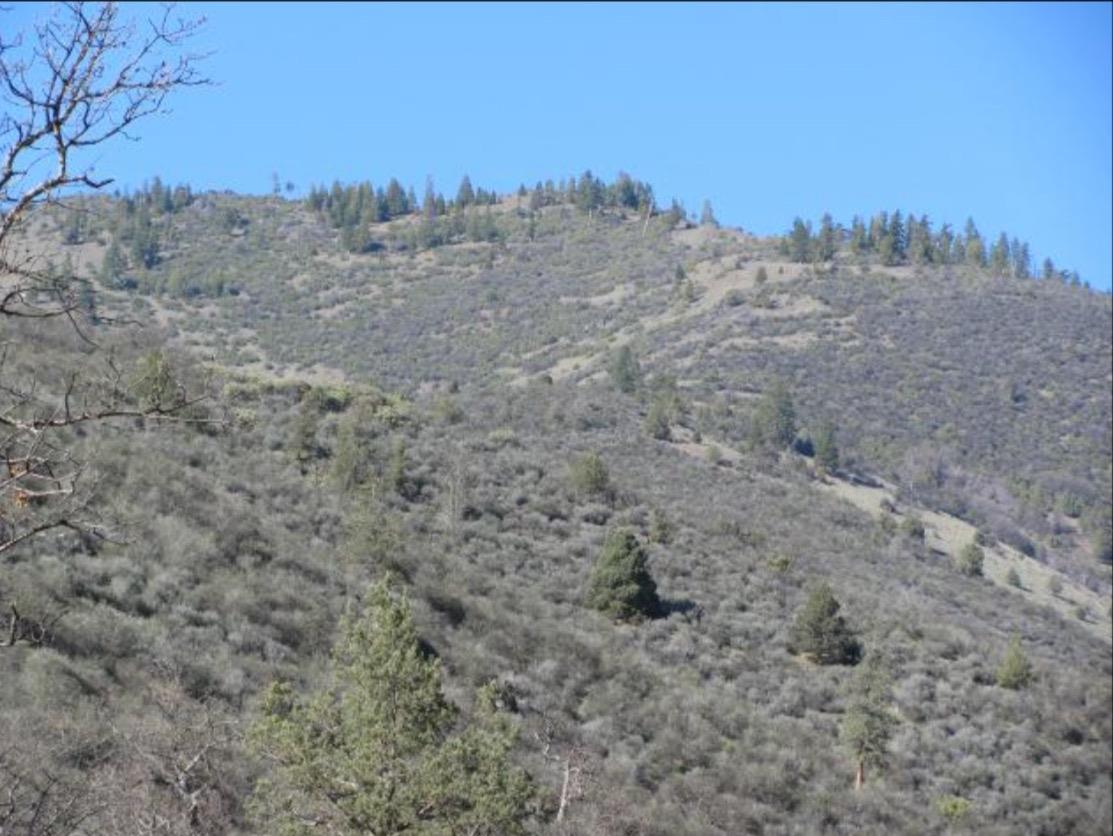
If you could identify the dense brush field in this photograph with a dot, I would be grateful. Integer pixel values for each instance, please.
(426, 410)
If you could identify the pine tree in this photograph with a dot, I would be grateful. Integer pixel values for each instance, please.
(625, 370)
(868, 723)
(707, 215)
(859, 242)
(621, 585)
(826, 449)
(774, 422)
(999, 256)
(821, 633)
(800, 241)
(899, 237)
(826, 243)
(975, 246)
(375, 751)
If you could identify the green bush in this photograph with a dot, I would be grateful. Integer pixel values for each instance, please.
(590, 476)
(971, 560)
(1015, 671)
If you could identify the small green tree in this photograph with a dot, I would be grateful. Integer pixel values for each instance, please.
(821, 633)
(621, 585)
(774, 421)
(868, 722)
(625, 370)
(1015, 671)
(379, 749)
(971, 560)
(826, 449)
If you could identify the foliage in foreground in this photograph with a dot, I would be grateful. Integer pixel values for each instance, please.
(378, 749)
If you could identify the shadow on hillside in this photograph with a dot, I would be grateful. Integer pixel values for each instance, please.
(689, 610)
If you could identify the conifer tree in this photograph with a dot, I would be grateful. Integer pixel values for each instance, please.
(974, 245)
(826, 449)
(625, 370)
(1000, 258)
(826, 243)
(821, 633)
(774, 422)
(867, 725)
(621, 585)
(800, 241)
(379, 748)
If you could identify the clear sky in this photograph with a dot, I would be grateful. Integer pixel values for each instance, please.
(1003, 112)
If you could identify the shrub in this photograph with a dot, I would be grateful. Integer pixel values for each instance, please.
(621, 585)
(660, 528)
(952, 807)
(589, 475)
(1012, 578)
(657, 421)
(970, 560)
(1015, 671)
(913, 528)
(821, 633)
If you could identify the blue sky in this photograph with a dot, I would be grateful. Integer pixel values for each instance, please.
(1003, 112)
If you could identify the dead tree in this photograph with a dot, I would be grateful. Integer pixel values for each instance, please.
(81, 78)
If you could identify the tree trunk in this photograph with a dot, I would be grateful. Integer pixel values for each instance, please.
(860, 775)
(564, 790)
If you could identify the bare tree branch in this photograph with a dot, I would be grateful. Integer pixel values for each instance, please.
(82, 77)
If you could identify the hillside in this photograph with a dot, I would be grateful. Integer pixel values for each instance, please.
(423, 408)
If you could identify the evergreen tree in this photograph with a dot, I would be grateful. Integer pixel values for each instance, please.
(859, 242)
(1022, 261)
(821, 633)
(1049, 271)
(396, 202)
(899, 237)
(625, 370)
(868, 722)
(826, 243)
(774, 422)
(429, 201)
(376, 749)
(800, 241)
(975, 247)
(621, 585)
(707, 215)
(1000, 257)
(826, 449)
(944, 245)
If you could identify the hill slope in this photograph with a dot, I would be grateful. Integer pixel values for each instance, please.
(968, 395)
